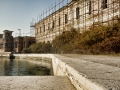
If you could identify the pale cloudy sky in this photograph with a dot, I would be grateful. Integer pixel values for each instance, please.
(17, 14)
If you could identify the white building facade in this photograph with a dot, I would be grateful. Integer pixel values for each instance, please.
(80, 14)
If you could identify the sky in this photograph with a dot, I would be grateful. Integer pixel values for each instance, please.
(17, 14)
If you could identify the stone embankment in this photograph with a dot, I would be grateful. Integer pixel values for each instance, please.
(85, 72)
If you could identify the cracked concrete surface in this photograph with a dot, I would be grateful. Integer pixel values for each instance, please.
(100, 69)
(35, 83)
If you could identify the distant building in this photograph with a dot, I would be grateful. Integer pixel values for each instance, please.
(22, 42)
(80, 14)
(1, 42)
(6, 41)
(10, 44)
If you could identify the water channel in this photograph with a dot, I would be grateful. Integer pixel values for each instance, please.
(23, 67)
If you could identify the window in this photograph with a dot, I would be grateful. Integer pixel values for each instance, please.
(24, 44)
(16, 44)
(59, 21)
(48, 26)
(1, 46)
(104, 4)
(53, 24)
(8, 34)
(29, 43)
(40, 29)
(37, 31)
(44, 28)
(6, 40)
(77, 13)
(90, 5)
(6, 44)
(1, 36)
(66, 18)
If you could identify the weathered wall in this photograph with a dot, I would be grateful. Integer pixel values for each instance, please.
(91, 13)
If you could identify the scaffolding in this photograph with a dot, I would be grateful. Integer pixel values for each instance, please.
(32, 29)
(80, 14)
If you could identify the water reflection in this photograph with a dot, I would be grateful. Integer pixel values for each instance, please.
(14, 67)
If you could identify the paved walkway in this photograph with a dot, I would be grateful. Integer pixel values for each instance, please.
(100, 69)
(35, 83)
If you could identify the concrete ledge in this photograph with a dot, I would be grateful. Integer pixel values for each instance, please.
(84, 75)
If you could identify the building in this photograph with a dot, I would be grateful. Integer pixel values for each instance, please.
(22, 42)
(8, 43)
(1, 42)
(80, 14)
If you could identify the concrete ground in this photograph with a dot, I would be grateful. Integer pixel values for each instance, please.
(102, 70)
(35, 83)
(99, 69)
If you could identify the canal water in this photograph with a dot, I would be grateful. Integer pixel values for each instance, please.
(24, 67)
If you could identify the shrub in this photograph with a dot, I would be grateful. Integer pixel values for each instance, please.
(26, 50)
(103, 39)
(64, 42)
(41, 47)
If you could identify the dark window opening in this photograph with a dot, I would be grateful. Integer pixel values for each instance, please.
(59, 21)
(104, 4)
(16, 44)
(24, 44)
(29, 43)
(37, 31)
(44, 28)
(66, 18)
(8, 34)
(90, 5)
(53, 24)
(40, 29)
(6, 44)
(48, 26)
(77, 12)
(1, 36)
(1, 46)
